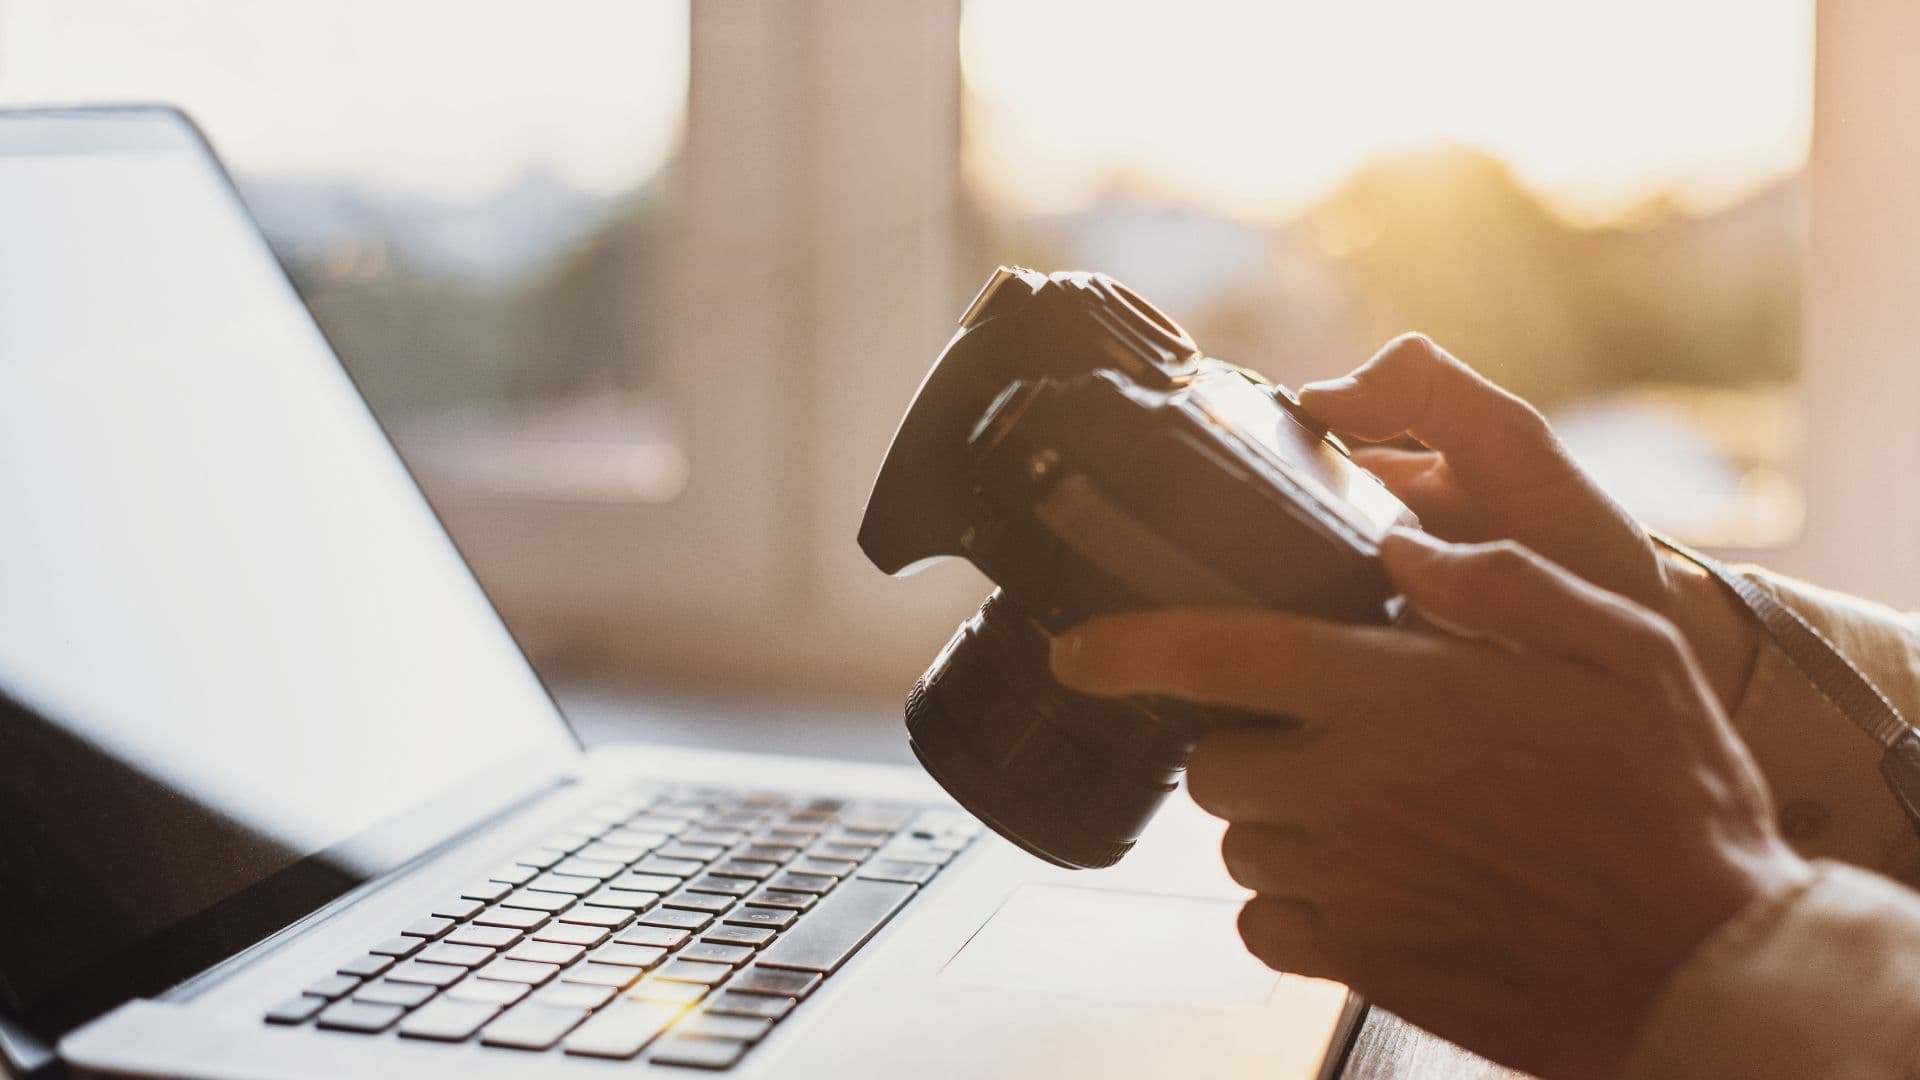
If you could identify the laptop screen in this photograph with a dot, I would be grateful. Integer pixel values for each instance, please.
(241, 664)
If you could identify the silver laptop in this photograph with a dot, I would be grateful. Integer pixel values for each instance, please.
(280, 797)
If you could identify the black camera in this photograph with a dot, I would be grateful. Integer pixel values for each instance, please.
(1074, 444)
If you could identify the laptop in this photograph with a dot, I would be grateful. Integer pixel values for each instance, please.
(281, 797)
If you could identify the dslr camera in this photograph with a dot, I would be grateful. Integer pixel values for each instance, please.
(1075, 445)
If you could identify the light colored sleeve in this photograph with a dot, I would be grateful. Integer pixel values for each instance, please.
(1820, 984)
(1824, 771)
(1825, 981)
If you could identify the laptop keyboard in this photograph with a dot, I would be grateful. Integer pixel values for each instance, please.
(685, 925)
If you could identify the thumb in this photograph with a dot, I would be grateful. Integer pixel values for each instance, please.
(1505, 594)
(1414, 387)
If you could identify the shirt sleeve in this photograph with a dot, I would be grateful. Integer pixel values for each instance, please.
(1825, 980)
(1821, 982)
(1824, 771)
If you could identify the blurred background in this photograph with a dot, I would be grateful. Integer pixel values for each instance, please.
(640, 286)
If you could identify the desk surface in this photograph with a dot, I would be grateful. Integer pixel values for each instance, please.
(1388, 1048)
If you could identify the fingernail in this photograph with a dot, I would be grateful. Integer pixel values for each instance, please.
(1341, 385)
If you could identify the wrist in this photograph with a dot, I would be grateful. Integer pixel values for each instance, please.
(1721, 636)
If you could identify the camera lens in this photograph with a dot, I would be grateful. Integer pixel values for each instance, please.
(1071, 778)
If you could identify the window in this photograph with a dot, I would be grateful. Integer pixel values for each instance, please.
(470, 200)
(1597, 205)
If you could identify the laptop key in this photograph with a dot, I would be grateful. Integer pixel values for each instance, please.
(332, 986)
(635, 838)
(774, 983)
(497, 993)
(538, 901)
(793, 901)
(539, 858)
(594, 915)
(756, 1005)
(660, 864)
(813, 864)
(458, 908)
(811, 883)
(441, 952)
(725, 886)
(388, 992)
(717, 953)
(697, 1052)
(665, 937)
(711, 903)
(515, 918)
(718, 837)
(751, 915)
(623, 1029)
(366, 965)
(531, 1025)
(840, 924)
(724, 934)
(622, 898)
(493, 937)
(652, 989)
(598, 869)
(575, 995)
(519, 971)
(448, 1020)
(355, 1016)
(513, 874)
(602, 851)
(295, 1010)
(678, 918)
(651, 883)
(756, 869)
(681, 849)
(694, 971)
(398, 945)
(601, 975)
(706, 1024)
(634, 956)
(563, 883)
(546, 952)
(429, 927)
(485, 890)
(571, 934)
(415, 971)
(908, 873)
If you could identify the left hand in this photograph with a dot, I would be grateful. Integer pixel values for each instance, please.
(1511, 837)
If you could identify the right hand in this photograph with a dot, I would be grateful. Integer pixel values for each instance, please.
(1487, 467)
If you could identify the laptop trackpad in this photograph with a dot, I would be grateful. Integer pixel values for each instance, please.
(1109, 944)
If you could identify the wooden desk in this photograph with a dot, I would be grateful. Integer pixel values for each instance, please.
(1389, 1048)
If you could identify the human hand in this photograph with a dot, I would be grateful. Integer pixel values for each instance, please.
(1491, 469)
(1510, 838)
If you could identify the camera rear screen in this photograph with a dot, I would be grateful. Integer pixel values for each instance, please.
(1247, 411)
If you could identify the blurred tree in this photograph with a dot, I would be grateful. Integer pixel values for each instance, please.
(1451, 243)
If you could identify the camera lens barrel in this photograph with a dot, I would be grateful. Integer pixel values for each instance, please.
(1071, 778)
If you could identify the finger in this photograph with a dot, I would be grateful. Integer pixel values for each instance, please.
(1414, 387)
(1247, 773)
(1505, 594)
(1274, 861)
(1289, 935)
(1262, 661)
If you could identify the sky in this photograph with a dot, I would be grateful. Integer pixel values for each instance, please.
(1254, 109)
(1263, 107)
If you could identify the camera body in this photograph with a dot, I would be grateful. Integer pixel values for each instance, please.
(1075, 445)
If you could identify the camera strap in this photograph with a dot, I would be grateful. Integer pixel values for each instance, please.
(1837, 679)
